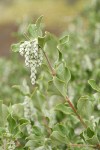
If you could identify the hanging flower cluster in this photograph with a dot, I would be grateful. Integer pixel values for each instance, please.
(28, 111)
(33, 56)
(9, 141)
(11, 145)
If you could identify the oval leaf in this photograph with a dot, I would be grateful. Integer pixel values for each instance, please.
(94, 85)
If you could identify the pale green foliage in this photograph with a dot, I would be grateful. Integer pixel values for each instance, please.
(39, 117)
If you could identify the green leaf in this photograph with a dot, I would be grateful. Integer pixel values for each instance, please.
(34, 141)
(50, 37)
(63, 73)
(30, 143)
(60, 58)
(90, 137)
(2, 130)
(41, 41)
(38, 22)
(52, 89)
(37, 130)
(18, 109)
(58, 139)
(63, 43)
(22, 127)
(23, 121)
(60, 86)
(1, 114)
(93, 140)
(40, 99)
(12, 124)
(15, 47)
(5, 113)
(34, 31)
(50, 46)
(85, 107)
(61, 129)
(94, 85)
(90, 133)
(63, 108)
(36, 138)
(40, 148)
(22, 90)
(64, 39)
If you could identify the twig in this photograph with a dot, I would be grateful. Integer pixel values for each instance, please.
(68, 100)
(17, 143)
(46, 125)
(50, 66)
(26, 36)
(75, 111)
(80, 145)
(84, 145)
(4, 144)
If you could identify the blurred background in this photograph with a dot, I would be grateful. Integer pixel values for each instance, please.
(80, 19)
(16, 14)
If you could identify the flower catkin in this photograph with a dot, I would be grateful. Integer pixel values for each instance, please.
(33, 57)
(11, 145)
(9, 140)
(28, 113)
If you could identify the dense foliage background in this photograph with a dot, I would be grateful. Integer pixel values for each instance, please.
(39, 117)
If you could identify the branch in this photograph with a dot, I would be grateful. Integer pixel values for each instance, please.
(49, 64)
(80, 145)
(68, 100)
(46, 125)
(4, 144)
(75, 111)
(84, 145)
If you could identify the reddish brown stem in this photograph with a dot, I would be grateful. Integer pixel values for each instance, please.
(50, 66)
(46, 125)
(75, 111)
(68, 100)
(84, 145)
(80, 145)
(52, 70)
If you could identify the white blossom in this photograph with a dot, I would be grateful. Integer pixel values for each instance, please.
(10, 142)
(28, 113)
(33, 57)
(11, 145)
